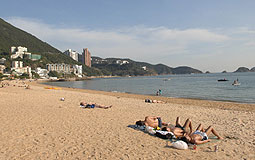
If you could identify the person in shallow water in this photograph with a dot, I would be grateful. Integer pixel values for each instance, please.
(93, 105)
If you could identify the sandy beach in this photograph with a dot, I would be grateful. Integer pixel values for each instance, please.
(36, 124)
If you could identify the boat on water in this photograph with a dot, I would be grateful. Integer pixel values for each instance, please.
(222, 80)
(167, 79)
(236, 83)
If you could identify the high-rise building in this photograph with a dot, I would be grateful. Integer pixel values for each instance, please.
(86, 57)
(72, 54)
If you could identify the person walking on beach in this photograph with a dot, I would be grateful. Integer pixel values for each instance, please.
(93, 105)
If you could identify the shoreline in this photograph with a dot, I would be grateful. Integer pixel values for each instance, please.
(48, 123)
(228, 105)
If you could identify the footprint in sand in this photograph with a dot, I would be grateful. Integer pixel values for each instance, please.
(62, 139)
(36, 141)
(51, 145)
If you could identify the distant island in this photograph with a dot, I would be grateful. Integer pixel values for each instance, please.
(244, 69)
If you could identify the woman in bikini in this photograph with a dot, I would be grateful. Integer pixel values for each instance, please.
(178, 130)
(200, 136)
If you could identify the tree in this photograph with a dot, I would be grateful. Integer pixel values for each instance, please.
(54, 74)
(24, 76)
(35, 75)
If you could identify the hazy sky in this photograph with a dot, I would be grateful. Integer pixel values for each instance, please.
(210, 35)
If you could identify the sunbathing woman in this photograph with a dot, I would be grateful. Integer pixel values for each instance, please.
(93, 105)
(200, 136)
(153, 101)
(152, 121)
(178, 130)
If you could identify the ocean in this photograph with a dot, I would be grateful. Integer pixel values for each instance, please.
(198, 86)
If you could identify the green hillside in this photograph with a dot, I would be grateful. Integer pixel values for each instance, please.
(109, 66)
(12, 36)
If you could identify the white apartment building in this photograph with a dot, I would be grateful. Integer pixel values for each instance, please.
(2, 61)
(43, 73)
(2, 68)
(18, 49)
(121, 62)
(77, 69)
(65, 68)
(144, 68)
(17, 66)
(19, 52)
(72, 54)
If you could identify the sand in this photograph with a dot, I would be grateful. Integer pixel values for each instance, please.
(36, 124)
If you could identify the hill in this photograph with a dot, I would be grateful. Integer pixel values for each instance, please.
(243, 69)
(128, 67)
(12, 36)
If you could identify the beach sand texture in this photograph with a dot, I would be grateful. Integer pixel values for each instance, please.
(36, 124)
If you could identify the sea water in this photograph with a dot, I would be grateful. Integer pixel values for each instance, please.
(198, 86)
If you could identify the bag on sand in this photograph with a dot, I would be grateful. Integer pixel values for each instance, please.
(180, 145)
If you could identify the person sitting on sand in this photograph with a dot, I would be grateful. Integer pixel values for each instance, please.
(178, 130)
(200, 136)
(93, 105)
(153, 101)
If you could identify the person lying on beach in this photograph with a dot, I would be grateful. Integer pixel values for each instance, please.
(200, 136)
(93, 105)
(178, 130)
(152, 121)
(153, 101)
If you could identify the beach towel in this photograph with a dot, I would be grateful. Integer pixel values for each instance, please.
(150, 130)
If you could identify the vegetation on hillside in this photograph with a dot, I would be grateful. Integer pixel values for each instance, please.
(12, 36)
(109, 66)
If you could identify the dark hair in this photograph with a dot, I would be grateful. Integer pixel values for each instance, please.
(140, 123)
(184, 139)
(164, 129)
(166, 136)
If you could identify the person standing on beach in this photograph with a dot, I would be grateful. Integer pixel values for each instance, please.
(160, 92)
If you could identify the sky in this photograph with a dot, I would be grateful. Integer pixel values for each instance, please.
(207, 35)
